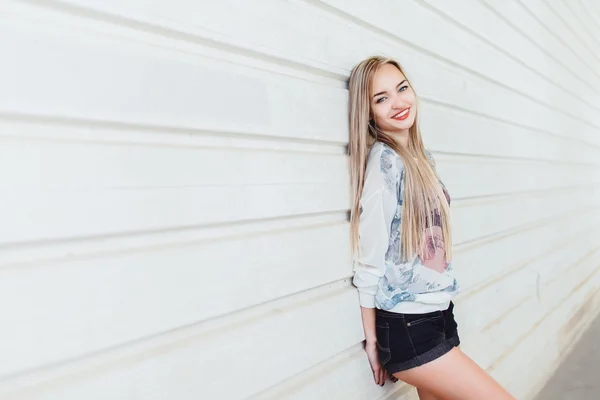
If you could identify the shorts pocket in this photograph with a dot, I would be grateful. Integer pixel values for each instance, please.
(426, 331)
(382, 330)
(419, 319)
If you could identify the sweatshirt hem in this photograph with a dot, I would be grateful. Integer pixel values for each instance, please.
(414, 307)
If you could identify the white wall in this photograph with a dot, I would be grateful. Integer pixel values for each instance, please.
(174, 190)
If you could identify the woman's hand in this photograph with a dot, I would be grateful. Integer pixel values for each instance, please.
(379, 373)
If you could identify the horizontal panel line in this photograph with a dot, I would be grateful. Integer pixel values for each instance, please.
(18, 254)
(487, 156)
(336, 147)
(77, 244)
(301, 378)
(589, 13)
(498, 278)
(272, 145)
(269, 145)
(403, 390)
(164, 31)
(564, 352)
(119, 20)
(575, 35)
(345, 356)
(317, 371)
(155, 188)
(560, 274)
(581, 23)
(558, 37)
(505, 52)
(521, 193)
(537, 45)
(510, 122)
(482, 240)
(137, 349)
(573, 32)
(321, 370)
(145, 347)
(502, 316)
(373, 28)
(336, 361)
(593, 12)
(185, 228)
(325, 147)
(130, 126)
(73, 248)
(511, 348)
(139, 189)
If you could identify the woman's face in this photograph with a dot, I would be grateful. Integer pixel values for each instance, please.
(393, 102)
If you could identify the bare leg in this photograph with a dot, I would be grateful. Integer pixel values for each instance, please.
(425, 395)
(454, 376)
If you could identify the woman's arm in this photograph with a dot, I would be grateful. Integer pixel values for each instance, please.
(377, 212)
(368, 319)
(378, 206)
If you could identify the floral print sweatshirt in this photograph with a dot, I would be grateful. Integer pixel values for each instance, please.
(422, 284)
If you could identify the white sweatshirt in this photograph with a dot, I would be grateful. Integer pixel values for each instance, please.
(420, 285)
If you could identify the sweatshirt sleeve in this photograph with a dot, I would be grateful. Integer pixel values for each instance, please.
(378, 205)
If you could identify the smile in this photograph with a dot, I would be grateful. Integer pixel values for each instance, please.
(402, 115)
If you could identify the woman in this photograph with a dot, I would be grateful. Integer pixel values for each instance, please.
(400, 224)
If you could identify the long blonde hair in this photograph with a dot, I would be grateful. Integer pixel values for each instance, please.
(423, 193)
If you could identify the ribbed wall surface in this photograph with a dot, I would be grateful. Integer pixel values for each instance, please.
(175, 190)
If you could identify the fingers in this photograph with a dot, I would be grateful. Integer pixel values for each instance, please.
(383, 376)
(378, 376)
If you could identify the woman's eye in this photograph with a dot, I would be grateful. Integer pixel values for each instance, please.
(402, 88)
(380, 100)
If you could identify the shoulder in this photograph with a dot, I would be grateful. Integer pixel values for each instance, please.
(384, 158)
(384, 166)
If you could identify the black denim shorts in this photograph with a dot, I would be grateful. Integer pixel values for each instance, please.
(409, 340)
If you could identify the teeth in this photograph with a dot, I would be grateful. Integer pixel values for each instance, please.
(401, 114)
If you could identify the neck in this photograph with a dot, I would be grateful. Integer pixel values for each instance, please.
(401, 137)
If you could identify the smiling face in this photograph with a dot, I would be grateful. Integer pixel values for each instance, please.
(393, 102)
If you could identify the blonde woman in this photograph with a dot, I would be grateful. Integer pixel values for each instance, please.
(401, 236)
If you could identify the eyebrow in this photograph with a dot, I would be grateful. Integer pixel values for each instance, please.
(384, 92)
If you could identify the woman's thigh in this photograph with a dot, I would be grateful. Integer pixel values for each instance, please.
(454, 376)
(425, 395)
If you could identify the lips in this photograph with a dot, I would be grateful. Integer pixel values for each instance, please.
(402, 115)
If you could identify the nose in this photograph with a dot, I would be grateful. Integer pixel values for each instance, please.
(398, 103)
